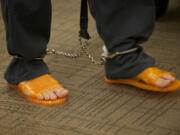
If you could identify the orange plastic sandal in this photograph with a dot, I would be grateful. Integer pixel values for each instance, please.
(149, 77)
(32, 89)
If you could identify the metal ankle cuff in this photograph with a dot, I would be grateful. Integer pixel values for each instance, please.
(19, 57)
(111, 56)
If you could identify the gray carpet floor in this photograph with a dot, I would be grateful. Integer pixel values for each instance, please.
(94, 107)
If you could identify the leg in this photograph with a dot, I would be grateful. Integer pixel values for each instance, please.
(123, 25)
(28, 31)
(27, 36)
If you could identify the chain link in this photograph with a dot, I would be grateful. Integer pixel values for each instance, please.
(83, 50)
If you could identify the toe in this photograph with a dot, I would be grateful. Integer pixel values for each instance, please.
(61, 92)
(52, 95)
(46, 95)
(169, 77)
(163, 83)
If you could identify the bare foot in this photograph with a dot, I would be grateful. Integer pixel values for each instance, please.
(54, 94)
(165, 81)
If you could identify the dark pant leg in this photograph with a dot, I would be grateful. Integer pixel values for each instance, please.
(28, 30)
(123, 25)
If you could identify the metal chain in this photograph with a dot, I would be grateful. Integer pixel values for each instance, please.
(83, 50)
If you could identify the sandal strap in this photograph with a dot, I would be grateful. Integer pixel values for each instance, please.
(38, 85)
(152, 74)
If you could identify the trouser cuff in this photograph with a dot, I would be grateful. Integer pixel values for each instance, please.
(20, 70)
(127, 67)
